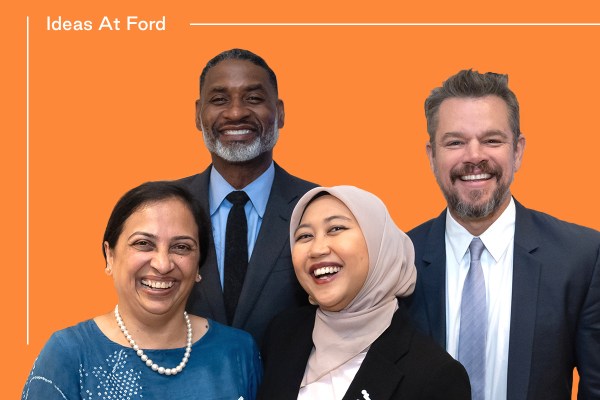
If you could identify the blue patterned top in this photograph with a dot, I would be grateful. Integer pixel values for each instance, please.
(80, 362)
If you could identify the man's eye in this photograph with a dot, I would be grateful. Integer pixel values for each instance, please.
(255, 99)
(218, 100)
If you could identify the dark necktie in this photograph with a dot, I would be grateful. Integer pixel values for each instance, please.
(473, 322)
(236, 252)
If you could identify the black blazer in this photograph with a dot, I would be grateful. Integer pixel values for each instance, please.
(270, 285)
(555, 313)
(400, 364)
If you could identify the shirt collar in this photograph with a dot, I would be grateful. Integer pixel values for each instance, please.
(258, 190)
(496, 238)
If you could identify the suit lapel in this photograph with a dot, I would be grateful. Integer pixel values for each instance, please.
(378, 375)
(433, 279)
(272, 239)
(211, 280)
(526, 279)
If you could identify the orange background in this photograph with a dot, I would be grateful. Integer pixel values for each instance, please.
(110, 110)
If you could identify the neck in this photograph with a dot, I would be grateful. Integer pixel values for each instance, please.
(152, 331)
(240, 175)
(476, 226)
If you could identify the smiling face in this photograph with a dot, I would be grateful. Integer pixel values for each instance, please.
(475, 159)
(238, 111)
(330, 254)
(155, 260)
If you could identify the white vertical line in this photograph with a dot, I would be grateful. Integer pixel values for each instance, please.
(27, 178)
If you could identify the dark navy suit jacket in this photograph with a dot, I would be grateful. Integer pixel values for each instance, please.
(270, 285)
(555, 313)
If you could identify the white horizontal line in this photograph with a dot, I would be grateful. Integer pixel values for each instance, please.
(395, 24)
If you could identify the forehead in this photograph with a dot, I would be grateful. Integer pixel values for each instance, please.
(325, 207)
(168, 213)
(236, 74)
(464, 115)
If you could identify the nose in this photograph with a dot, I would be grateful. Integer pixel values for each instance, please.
(236, 110)
(474, 152)
(161, 262)
(319, 247)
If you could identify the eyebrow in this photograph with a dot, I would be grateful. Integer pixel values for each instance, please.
(328, 219)
(151, 236)
(490, 132)
(248, 88)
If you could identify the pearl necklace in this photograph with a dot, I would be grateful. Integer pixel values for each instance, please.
(149, 362)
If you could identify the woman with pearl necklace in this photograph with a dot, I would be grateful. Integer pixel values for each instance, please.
(148, 347)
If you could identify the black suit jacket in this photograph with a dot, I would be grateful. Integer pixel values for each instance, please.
(400, 364)
(555, 312)
(270, 285)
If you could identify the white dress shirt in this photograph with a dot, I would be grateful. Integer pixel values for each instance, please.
(497, 264)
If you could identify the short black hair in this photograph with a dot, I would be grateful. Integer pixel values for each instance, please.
(152, 192)
(239, 54)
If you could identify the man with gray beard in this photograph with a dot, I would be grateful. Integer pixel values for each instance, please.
(248, 275)
(512, 293)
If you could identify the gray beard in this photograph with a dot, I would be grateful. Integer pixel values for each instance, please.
(469, 210)
(241, 152)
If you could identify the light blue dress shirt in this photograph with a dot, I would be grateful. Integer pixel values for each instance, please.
(258, 191)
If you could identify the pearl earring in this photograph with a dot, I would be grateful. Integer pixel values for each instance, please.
(198, 278)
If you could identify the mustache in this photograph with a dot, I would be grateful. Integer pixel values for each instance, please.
(484, 167)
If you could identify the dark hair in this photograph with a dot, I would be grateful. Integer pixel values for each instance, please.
(153, 192)
(239, 54)
(468, 83)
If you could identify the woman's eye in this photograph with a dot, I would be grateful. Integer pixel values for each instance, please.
(335, 229)
(182, 248)
(303, 236)
(142, 244)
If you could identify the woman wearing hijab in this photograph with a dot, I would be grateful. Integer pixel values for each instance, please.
(148, 347)
(358, 343)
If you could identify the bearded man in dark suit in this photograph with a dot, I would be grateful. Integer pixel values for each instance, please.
(526, 312)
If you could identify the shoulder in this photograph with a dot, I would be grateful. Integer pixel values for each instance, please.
(196, 179)
(420, 233)
(295, 324)
(294, 317)
(230, 336)
(74, 337)
(283, 177)
(552, 226)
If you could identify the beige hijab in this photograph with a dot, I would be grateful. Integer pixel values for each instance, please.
(340, 336)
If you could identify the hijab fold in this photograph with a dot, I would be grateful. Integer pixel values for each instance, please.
(340, 336)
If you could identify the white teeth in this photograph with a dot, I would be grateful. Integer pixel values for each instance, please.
(237, 132)
(157, 284)
(475, 177)
(326, 270)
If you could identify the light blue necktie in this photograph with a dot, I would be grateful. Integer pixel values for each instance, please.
(473, 322)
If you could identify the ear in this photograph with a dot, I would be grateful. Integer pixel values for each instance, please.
(430, 156)
(109, 257)
(519, 152)
(199, 114)
(280, 113)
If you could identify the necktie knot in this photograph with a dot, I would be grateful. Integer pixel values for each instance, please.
(476, 248)
(238, 197)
